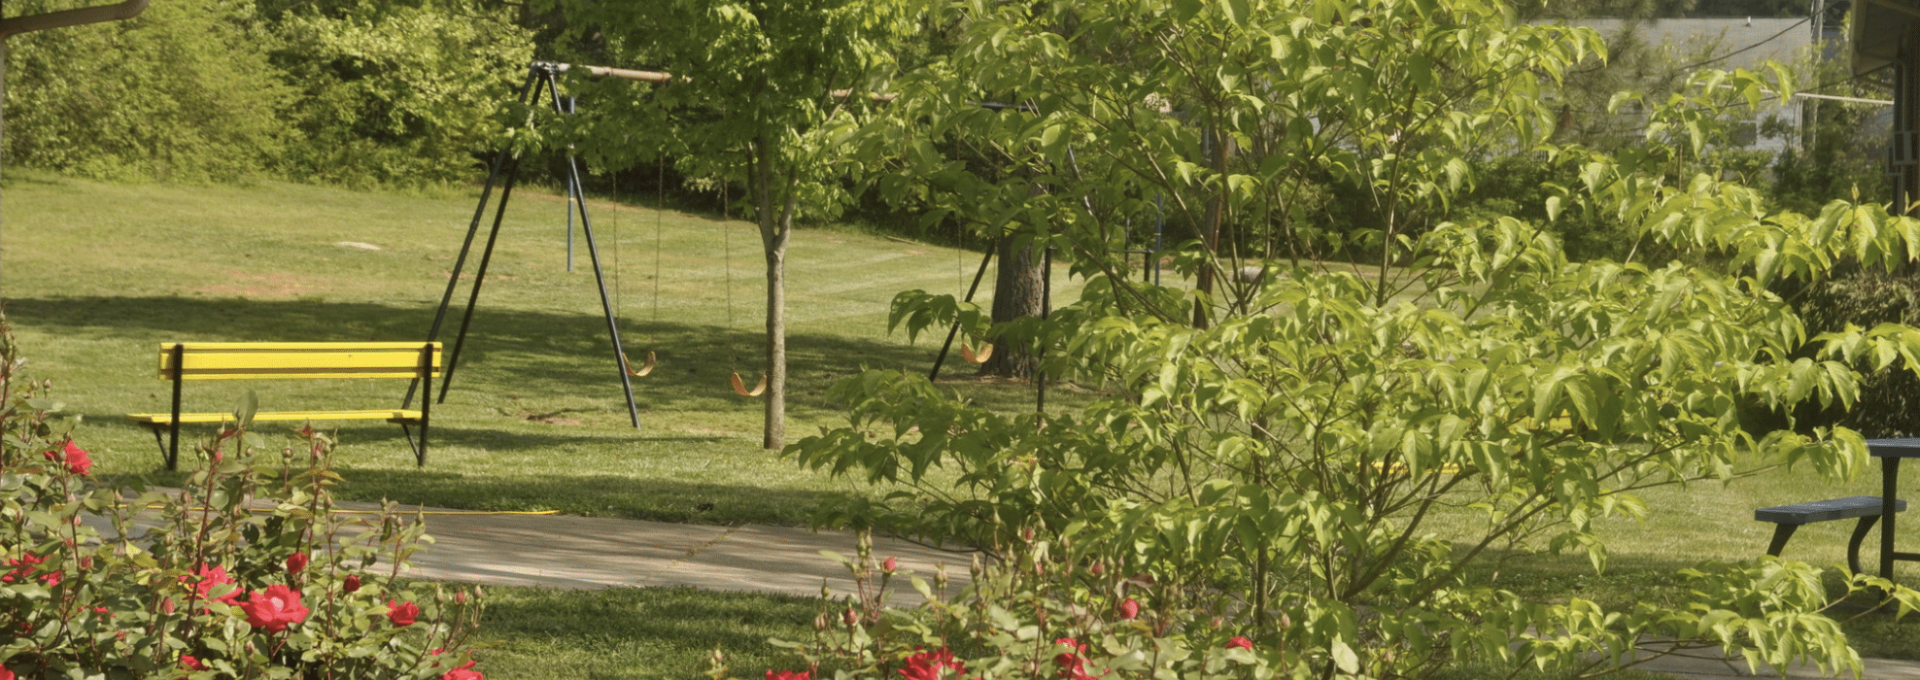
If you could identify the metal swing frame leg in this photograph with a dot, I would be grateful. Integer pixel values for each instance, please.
(541, 78)
(978, 274)
(499, 165)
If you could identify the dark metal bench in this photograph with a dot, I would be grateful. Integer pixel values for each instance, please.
(1788, 518)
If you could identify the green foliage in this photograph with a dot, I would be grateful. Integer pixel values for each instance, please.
(356, 93)
(183, 92)
(1889, 398)
(1288, 443)
(182, 582)
(398, 94)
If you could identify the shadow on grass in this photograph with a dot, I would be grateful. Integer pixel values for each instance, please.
(511, 351)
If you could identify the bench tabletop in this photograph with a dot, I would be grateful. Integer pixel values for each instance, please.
(1904, 447)
(1827, 510)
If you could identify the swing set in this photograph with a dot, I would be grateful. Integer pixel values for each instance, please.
(542, 82)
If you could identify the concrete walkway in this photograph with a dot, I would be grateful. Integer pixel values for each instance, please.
(559, 551)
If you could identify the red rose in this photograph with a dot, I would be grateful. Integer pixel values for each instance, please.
(274, 608)
(464, 672)
(205, 579)
(928, 665)
(780, 675)
(1239, 642)
(1072, 666)
(402, 614)
(20, 569)
(1129, 609)
(74, 457)
(296, 563)
(188, 662)
(352, 584)
(5, 674)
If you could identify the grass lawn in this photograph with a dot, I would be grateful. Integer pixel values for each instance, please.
(635, 633)
(96, 276)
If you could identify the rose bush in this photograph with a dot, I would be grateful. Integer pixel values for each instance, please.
(245, 572)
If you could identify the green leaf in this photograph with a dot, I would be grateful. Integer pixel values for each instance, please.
(1344, 658)
(1237, 11)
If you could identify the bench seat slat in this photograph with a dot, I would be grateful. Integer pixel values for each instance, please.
(1824, 511)
(193, 347)
(203, 418)
(267, 361)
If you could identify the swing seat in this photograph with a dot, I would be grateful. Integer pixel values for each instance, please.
(981, 357)
(740, 386)
(645, 370)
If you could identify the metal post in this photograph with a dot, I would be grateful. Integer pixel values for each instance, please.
(479, 212)
(599, 278)
(606, 304)
(173, 432)
(572, 105)
(479, 278)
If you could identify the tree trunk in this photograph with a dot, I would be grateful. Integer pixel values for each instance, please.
(1017, 292)
(774, 230)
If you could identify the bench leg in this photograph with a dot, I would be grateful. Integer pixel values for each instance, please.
(419, 445)
(1781, 532)
(159, 440)
(1859, 535)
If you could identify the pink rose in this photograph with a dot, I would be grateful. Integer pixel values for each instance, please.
(274, 608)
(402, 614)
(1239, 642)
(889, 565)
(1129, 609)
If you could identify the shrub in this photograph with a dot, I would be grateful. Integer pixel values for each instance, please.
(244, 572)
(1889, 404)
(398, 94)
(183, 92)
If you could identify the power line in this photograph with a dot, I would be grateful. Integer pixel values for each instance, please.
(1796, 24)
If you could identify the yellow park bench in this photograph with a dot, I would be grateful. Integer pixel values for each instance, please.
(183, 361)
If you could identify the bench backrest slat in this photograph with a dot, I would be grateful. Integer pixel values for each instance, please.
(297, 360)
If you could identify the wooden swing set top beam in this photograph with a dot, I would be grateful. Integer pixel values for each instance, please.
(72, 17)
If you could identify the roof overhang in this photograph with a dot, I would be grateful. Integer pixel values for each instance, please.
(1878, 26)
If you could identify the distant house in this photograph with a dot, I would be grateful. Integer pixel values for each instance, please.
(1728, 44)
